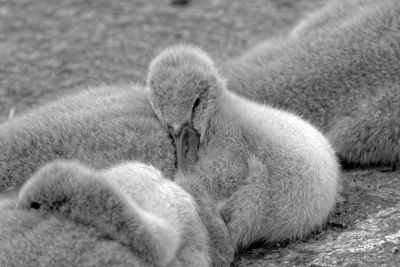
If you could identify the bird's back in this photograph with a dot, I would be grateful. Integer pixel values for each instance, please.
(335, 57)
(98, 126)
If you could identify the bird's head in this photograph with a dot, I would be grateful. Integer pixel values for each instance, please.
(185, 89)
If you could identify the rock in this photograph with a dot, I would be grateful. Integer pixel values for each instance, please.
(363, 231)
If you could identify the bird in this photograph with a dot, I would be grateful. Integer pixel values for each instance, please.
(222, 249)
(99, 126)
(276, 175)
(338, 68)
(130, 210)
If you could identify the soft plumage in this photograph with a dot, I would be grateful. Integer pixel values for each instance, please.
(338, 68)
(99, 126)
(277, 173)
(130, 210)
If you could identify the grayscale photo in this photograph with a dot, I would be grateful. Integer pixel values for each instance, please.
(204, 133)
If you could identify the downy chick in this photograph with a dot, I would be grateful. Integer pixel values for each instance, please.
(145, 218)
(277, 173)
(99, 127)
(339, 69)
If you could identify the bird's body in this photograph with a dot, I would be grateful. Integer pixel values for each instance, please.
(222, 248)
(129, 211)
(338, 68)
(99, 127)
(277, 173)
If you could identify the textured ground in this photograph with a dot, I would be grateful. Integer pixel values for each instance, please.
(49, 47)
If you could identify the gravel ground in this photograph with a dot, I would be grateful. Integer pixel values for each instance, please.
(50, 47)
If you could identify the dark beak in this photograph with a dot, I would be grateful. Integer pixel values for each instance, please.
(187, 146)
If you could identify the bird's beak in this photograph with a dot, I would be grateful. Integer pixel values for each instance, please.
(186, 142)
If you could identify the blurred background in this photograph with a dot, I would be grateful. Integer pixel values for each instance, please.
(49, 47)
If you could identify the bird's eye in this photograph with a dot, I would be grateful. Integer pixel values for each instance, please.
(35, 205)
(196, 103)
(195, 106)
